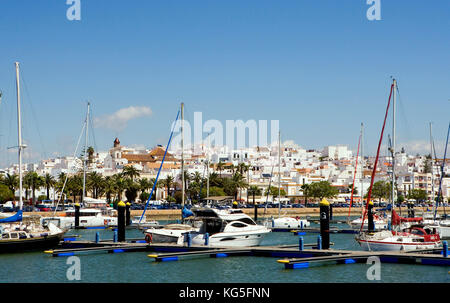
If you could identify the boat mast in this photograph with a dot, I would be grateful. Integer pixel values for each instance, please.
(279, 172)
(362, 164)
(393, 147)
(432, 177)
(182, 155)
(207, 167)
(85, 153)
(19, 135)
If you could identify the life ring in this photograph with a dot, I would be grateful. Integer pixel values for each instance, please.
(148, 238)
(105, 222)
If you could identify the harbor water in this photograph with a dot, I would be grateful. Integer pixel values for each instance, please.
(137, 267)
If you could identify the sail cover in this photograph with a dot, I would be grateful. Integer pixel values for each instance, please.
(14, 218)
(396, 219)
(186, 213)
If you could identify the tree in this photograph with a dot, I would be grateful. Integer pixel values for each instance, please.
(36, 182)
(12, 181)
(273, 191)
(381, 190)
(305, 188)
(168, 182)
(220, 167)
(323, 189)
(417, 194)
(5, 194)
(90, 152)
(49, 182)
(130, 172)
(254, 191)
(96, 184)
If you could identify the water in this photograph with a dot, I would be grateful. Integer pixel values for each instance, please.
(137, 267)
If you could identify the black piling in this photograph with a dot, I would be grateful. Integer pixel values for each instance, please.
(77, 215)
(127, 214)
(121, 221)
(331, 211)
(370, 223)
(256, 207)
(412, 210)
(325, 223)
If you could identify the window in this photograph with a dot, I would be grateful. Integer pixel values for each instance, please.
(5, 236)
(247, 221)
(238, 224)
(14, 236)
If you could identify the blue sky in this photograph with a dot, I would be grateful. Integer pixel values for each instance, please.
(320, 67)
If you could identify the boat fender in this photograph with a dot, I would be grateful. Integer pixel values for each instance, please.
(148, 238)
(105, 222)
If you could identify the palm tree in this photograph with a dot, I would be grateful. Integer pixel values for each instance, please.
(96, 184)
(49, 182)
(75, 186)
(120, 184)
(255, 191)
(109, 187)
(167, 182)
(305, 188)
(12, 181)
(90, 152)
(238, 183)
(36, 183)
(220, 167)
(131, 172)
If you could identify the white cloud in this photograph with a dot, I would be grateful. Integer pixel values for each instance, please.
(421, 147)
(118, 120)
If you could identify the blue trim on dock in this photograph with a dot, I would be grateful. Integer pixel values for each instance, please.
(65, 254)
(299, 265)
(167, 259)
(221, 255)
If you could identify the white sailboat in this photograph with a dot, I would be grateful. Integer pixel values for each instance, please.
(284, 222)
(402, 239)
(17, 236)
(94, 213)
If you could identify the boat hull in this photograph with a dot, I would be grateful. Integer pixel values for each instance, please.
(231, 239)
(30, 244)
(369, 245)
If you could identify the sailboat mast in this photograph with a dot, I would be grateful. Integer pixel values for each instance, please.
(393, 145)
(279, 172)
(19, 134)
(182, 155)
(362, 163)
(431, 164)
(85, 153)
(207, 167)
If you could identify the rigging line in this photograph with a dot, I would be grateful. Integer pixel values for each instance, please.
(160, 167)
(369, 194)
(403, 115)
(28, 99)
(268, 189)
(354, 178)
(92, 128)
(442, 176)
(70, 169)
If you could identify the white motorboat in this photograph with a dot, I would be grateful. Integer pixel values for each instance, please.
(89, 217)
(143, 224)
(379, 223)
(225, 228)
(286, 223)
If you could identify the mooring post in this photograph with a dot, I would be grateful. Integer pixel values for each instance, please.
(97, 237)
(255, 207)
(331, 211)
(77, 215)
(445, 249)
(115, 236)
(206, 239)
(300, 243)
(325, 223)
(189, 239)
(319, 242)
(127, 214)
(273, 222)
(301, 224)
(121, 221)
(408, 205)
(370, 223)
(412, 210)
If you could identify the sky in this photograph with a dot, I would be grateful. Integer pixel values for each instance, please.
(319, 67)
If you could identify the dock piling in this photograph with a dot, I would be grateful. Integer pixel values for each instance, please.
(127, 214)
(370, 223)
(115, 236)
(189, 239)
(77, 215)
(97, 237)
(325, 223)
(445, 249)
(300, 243)
(121, 221)
(319, 242)
(207, 239)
